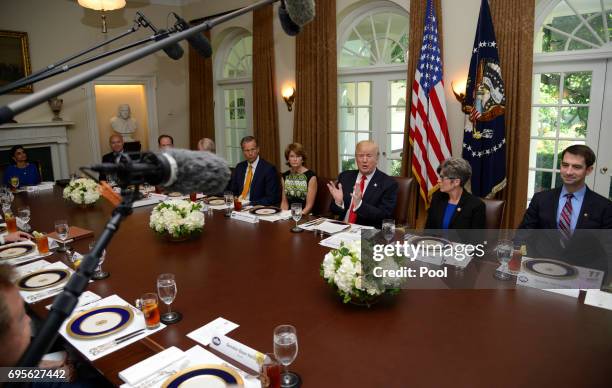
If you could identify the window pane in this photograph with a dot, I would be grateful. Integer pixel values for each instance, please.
(398, 92)
(363, 93)
(546, 88)
(363, 136)
(574, 122)
(238, 61)
(563, 18)
(346, 120)
(347, 142)
(577, 87)
(543, 180)
(348, 162)
(347, 94)
(395, 145)
(544, 122)
(240, 118)
(228, 137)
(586, 34)
(364, 121)
(545, 153)
(397, 118)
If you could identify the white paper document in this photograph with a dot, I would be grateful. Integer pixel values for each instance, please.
(204, 334)
(599, 298)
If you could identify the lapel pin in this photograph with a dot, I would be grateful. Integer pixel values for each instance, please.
(586, 214)
(458, 209)
(375, 185)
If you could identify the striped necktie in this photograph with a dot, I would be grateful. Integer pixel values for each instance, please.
(247, 182)
(565, 220)
(352, 215)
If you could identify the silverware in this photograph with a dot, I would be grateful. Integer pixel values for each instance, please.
(317, 221)
(111, 344)
(43, 295)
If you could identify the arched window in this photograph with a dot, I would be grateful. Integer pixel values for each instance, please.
(372, 65)
(233, 110)
(572, 82)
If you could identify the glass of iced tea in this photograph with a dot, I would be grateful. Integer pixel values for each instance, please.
(193, 196)
(270, 372)
(149, 305)
(42, 243)
(237, 204)
(11, 222)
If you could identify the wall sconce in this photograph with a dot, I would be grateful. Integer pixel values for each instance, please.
(288, 94)
(102, 5)
(459, 91)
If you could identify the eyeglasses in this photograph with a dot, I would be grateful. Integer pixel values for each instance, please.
(442, 177)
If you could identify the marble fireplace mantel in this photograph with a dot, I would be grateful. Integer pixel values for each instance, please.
(51, 134)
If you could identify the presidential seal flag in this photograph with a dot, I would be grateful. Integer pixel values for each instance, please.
(484, 139)
(428, 128)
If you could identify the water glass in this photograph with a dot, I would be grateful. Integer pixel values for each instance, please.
(62, 229)
(388, 229)
(166, 289)
(23, 213)
(286, 350)
(99, 274)
(504, 250)
(229, 202)
(296, 214)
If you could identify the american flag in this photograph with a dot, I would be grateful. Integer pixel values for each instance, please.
(428, 128)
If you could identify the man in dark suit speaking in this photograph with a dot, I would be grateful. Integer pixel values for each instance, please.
(365, 196)
(116, 144)
(254, 179)
(570, 214)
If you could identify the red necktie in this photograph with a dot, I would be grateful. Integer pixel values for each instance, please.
(352, 215)
(565, 219)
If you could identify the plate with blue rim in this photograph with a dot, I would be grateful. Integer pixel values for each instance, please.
(549, 268)
(100, 322)
(16, 250)
(42, 279)
(265, 210)
(206, 375)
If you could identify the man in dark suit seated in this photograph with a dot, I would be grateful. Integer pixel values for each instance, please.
(116, 144)
(365, 196)
(570, 214)
(254, 179)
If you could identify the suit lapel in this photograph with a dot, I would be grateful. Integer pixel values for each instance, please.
(241, 175)
(372, 188)
(458, 210)
(585, 209)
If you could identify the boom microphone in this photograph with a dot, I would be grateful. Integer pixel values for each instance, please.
(288, 25)
(174, 51)
(198, 41)
(175, 169)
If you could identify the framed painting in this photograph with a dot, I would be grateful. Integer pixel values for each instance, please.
(14, 59)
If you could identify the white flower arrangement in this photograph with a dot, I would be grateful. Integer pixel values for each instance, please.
(177, 218)
(342, 269)
(82, 191)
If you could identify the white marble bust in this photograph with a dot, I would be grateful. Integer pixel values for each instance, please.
(123, 124)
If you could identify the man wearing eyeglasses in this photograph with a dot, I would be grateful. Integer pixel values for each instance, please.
(365, 196)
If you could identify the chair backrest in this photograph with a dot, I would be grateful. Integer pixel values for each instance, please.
(494, 212)
(323, 199)
(402, 208)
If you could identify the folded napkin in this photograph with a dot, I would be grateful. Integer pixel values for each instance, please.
(146, 202)
(283, 215)
(137, 373)
(334, 241)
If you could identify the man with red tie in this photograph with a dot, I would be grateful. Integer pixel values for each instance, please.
(365, 196)
(567, 213)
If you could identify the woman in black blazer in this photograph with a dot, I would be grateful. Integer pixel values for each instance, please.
(452, 207)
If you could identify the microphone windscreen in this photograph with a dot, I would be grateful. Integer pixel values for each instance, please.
(301, 12)
(288, 25)
(201, 45)
(174, 51)
(198, 171)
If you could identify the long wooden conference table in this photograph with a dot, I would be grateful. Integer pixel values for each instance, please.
(261, 275)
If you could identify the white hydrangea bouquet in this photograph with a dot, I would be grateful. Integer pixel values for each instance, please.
(342, 268)
(82, 191)
(177, 219)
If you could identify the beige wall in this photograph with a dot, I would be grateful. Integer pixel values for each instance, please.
(74, 29)
(59, 28)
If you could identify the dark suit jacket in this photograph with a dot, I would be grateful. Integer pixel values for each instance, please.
(265, 187)
(470, 212)
(106, 158)
(378, 202)
(587, 247)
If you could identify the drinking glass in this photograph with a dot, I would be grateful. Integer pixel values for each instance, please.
(270, 372)
(504, 250)
(285, 350)
(62, 228)
(388, 230)
(166, 289)
(99, 274)
(14, 182)
(23, 213)
(229, 202)
(149, 305)
(11, 221)
(296, 214)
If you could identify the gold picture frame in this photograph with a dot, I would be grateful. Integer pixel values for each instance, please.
(14, 59)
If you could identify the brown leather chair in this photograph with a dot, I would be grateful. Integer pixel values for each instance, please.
(402, 208)
(494, 212)
(323, 199)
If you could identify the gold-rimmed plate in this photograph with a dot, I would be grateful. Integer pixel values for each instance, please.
(215, 201)
(42, 279)
(428, 241)
(99, 322)
(265, 210)
(16, 250)
(206, 375)
(549, 268)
